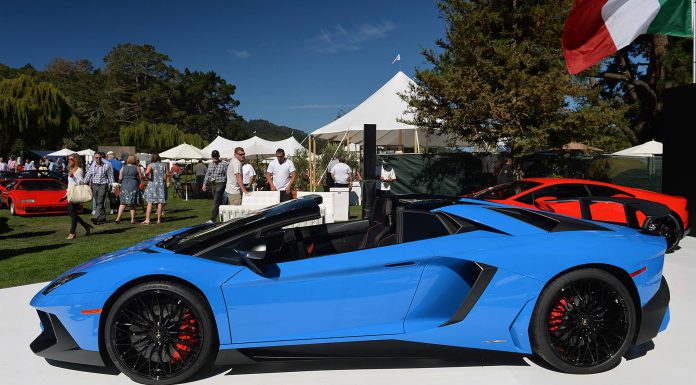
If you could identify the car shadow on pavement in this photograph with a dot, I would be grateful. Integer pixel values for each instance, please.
(109, 369)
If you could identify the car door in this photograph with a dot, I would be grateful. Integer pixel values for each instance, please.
(607, 211)
(358, 293)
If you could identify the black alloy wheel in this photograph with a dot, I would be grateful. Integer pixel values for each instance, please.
(668, 227)
(159, 333)
(583, 322)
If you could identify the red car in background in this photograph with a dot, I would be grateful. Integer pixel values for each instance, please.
(32, 196)
(560, 195)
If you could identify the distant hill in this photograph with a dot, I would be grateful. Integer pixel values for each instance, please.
(266, 130)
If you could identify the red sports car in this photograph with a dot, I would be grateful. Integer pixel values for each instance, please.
(560, 195)
(34, 196)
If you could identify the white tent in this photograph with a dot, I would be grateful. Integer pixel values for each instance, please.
(289, 145)
(650, 148)
(221, 144)
(385, 108)
(183, 151)
(88, 154)
(63, 152)
(254, 147)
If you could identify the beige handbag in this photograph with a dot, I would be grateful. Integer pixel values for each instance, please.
(80, 194)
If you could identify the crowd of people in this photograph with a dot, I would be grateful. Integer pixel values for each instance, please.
(44, 164)
(129, 185)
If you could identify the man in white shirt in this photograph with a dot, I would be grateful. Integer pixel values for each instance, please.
(3, 165)
(281, 175)
(341, 174)
(248, 175)
(234, 187)
(387, 176)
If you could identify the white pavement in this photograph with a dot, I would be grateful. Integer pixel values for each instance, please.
(672, 361)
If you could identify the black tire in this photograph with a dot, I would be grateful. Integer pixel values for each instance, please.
(583, 322)
(11, 206)
(668, 227)
(160, 333)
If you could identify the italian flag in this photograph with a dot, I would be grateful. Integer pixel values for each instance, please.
(596, 29)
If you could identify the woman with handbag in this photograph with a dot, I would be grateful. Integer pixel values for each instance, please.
(75, 176)
(130, 179)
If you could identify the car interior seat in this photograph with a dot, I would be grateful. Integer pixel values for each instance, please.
(381, 224)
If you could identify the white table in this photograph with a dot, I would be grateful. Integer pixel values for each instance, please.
(341, 203)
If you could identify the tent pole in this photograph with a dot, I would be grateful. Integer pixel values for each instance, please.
(348, 143)
(401, 140)
(416, 150)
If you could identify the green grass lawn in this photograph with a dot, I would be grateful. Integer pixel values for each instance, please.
(35, 249)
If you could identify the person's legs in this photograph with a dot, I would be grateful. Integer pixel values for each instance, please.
(147, 213)
(121, 208)
(234, 199)
(160, 206)
(218, 193)
(99, 192)
(132, 213)
(73, 218)
(285, 196)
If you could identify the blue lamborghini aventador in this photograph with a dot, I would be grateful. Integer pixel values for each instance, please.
(421, 271)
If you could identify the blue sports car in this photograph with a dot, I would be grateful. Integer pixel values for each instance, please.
(421, 271)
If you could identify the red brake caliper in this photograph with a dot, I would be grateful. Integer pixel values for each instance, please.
(557, 314)
(187, 336)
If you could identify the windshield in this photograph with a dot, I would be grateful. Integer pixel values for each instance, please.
(506, 190)
(41, 185)
(202, 237)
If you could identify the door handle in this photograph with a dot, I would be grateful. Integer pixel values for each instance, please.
(400, 264)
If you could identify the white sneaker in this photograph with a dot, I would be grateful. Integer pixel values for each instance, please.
(210, 221)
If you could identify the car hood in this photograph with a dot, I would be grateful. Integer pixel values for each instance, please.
(146, 244)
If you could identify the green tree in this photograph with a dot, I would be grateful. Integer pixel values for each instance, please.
(157, 137)
(499, 75)
(639, 74)
(139, 84)
(205, 104)
(83, 87)
(33, 114)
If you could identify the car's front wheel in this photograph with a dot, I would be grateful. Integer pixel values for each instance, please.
(12, 207)
(160, 333)
(583, 322)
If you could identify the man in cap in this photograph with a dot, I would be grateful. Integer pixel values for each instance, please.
(216, 176)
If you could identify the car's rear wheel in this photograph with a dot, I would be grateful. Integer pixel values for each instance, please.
(159, 333)
(583, 322)
(668, 227)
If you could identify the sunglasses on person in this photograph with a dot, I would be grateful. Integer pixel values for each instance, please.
(241, 154)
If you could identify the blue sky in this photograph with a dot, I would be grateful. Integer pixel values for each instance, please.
(295, 63)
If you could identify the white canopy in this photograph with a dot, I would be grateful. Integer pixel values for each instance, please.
(254, 147)
(289, 145)
(88, 152)
(63, 152)
(183, 151)
(650, 148)
(384, 108)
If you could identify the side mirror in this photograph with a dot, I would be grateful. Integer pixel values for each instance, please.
(255, 251)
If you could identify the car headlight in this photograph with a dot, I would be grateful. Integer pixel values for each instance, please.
(27, 201)
(61, 281)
